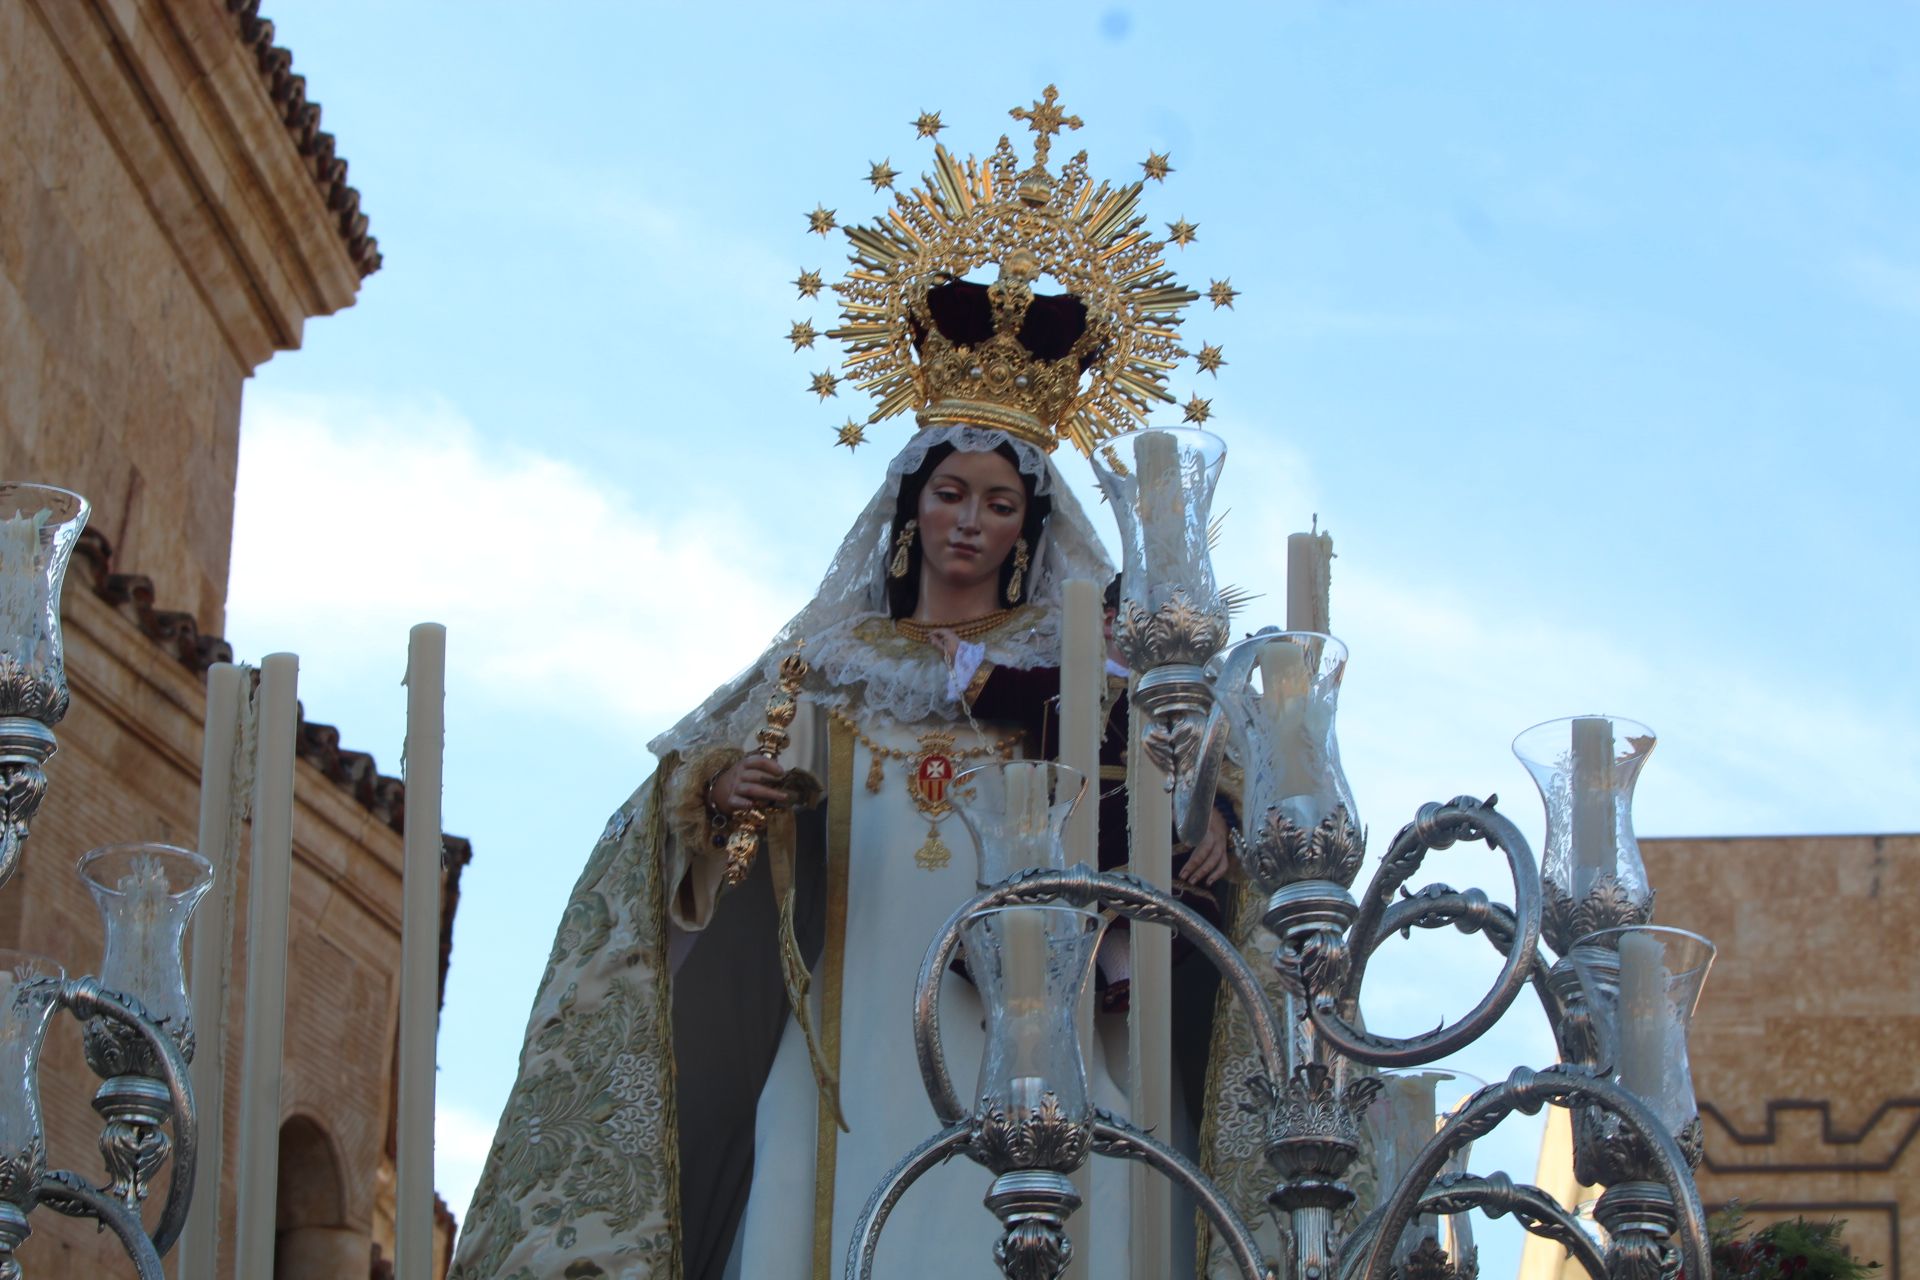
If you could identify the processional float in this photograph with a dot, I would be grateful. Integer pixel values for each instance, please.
(1617, 990)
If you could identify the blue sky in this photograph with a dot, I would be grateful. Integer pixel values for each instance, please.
(1589, 332)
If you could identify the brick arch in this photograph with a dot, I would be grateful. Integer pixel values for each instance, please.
(311, 1237)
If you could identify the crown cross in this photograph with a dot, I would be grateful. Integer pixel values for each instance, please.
(1045, 119)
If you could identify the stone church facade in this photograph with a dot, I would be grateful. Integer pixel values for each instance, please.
(1805, 1044)
(172, 213)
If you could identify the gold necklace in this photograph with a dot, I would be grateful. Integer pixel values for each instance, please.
(972, 629)
(931, 769)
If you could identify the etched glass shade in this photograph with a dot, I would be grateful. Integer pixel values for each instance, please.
(1032, 965)
(146, 894)
(1591, 873)
(1641, 985)
(1160, 485)
(29, 989)
(1298, 820)
(1016, 811)
(1412, 1105)
(39, 526)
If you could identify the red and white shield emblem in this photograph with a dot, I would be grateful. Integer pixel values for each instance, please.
(933, 770)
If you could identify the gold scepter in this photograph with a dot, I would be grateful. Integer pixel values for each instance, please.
(743, 844)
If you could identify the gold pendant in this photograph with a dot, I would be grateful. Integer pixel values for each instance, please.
(934, 854)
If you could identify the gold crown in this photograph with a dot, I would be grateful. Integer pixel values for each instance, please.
(919, 335)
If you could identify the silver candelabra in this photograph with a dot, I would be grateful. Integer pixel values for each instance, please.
(137, 1030)
(1618, 991)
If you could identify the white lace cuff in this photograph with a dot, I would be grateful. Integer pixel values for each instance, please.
(966, 661)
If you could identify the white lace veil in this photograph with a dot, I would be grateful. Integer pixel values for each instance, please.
(854, 589)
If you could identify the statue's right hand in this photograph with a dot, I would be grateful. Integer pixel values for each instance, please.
(753, 783)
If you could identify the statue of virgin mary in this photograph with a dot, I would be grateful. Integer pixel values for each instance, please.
(715, 1075)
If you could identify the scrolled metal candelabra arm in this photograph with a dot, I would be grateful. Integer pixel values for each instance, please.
(1495, 1195)
(1645, 1215)
(1113, 1136)
(1437, 906)
(137, 1107)
(1437, 827)
(1082, 886)
(26, 743)
(72, 1195)
(938, 1149)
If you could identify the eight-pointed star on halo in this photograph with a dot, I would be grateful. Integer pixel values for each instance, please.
(808, 283)
(927, 123)
(801, 334)
(821, 220)
(824, 384)
(882, 174)
(852, 435)
(1221, 293)
(1156, 165)
(1210, 359)
(1182, 232)
(1198, 410)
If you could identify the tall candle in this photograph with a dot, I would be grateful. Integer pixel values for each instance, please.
(1083, 652)
(420, 950)
(270, 884)
(1150, 1026)
(1592, 826)
(1162, 510)
(1309, 579)
(221, 774)
(1082, 678)
(1643, 1015)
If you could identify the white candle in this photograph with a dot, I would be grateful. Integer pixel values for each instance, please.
(420, 950)
(1592, 827)
(1309, 580)
(1162, 510)
(1082, 677)
(270, 882)
(1150, 1029)
(1642, 1017)
(212, 945)
(1083, 651)
(23, 596)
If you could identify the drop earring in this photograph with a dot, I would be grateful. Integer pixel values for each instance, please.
(1020, 562)
(898, 568)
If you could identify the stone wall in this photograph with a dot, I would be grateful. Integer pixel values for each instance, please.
(161, 235)
(1805, 1045)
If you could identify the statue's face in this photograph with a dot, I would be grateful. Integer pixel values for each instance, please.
(971, 512)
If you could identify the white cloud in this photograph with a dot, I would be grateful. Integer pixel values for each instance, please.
(559, 592)
(461, 1140)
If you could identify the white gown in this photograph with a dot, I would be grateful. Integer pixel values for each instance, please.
(940, 1228)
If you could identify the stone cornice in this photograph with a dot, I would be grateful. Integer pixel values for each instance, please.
(217, 131)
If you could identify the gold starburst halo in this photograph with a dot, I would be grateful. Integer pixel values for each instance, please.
(1221, 293)
(809, 284)
(1182, 232)
(1210, 359)
(824, 384)
(851, 434)
(821, 220)
(968, 216)
(801, 334)
(927, 123)
(1198, 410)
(1157, 166)
(882, 174)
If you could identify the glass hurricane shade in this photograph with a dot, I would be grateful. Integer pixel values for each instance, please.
(39, 526)
(1591, 873)
(146, 894)
(1016, 811)
(1160, 485)
(29, 992)
(1641, 985)
(1413, 1103)
(1031, 965)
(1290, 750)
